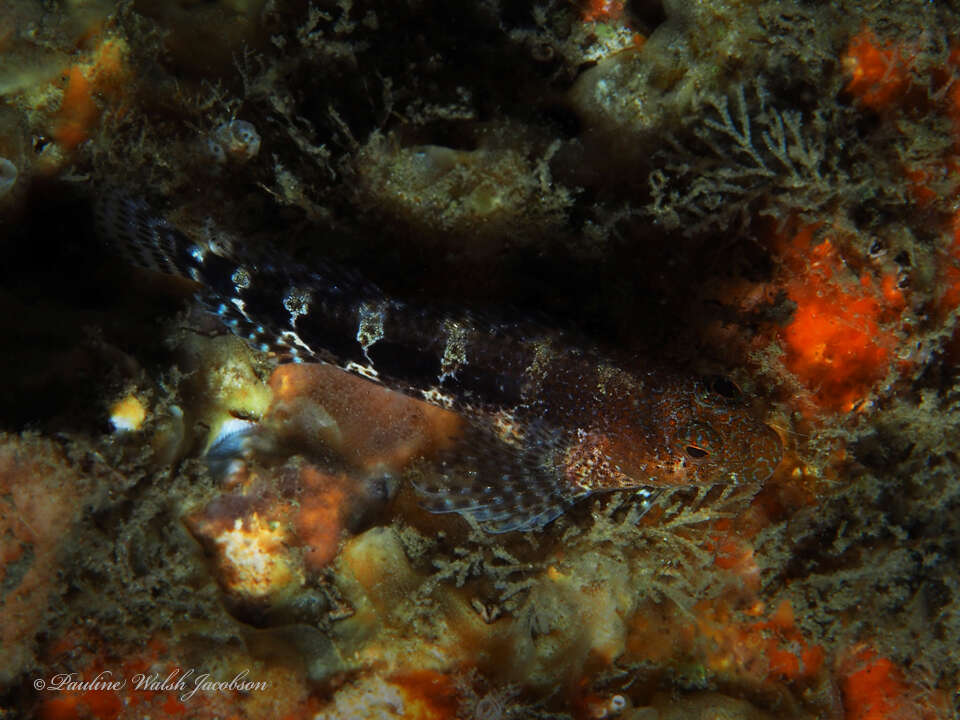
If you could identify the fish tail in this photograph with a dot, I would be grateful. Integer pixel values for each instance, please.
(142, 237)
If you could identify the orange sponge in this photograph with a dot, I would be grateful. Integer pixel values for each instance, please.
(839, 343)
(879, 74)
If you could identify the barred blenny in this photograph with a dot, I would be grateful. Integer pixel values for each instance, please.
(550, 423)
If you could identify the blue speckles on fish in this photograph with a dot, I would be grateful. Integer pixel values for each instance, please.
(550, 423)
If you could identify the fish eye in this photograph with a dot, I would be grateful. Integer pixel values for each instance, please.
(699, 440)
(723, 386)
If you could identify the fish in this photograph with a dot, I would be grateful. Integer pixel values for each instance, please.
(550, 420)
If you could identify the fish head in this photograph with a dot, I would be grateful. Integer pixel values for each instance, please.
(713, 441)
(687, 433)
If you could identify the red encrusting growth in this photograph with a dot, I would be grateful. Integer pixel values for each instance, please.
(772, 649)
(105, 77)
(790, 655)
(874, 688)
(602, 10)
(319, 521)
(77, 111)
(879, 72)
(842, 339)
(880, 80)
(934, 181)
(729, 643)
(734, 552)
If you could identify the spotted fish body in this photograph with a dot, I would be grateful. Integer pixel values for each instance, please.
(550, 423)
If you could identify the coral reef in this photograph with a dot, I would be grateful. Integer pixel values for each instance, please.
(760, 194)
(472, 201)
(41, 495)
